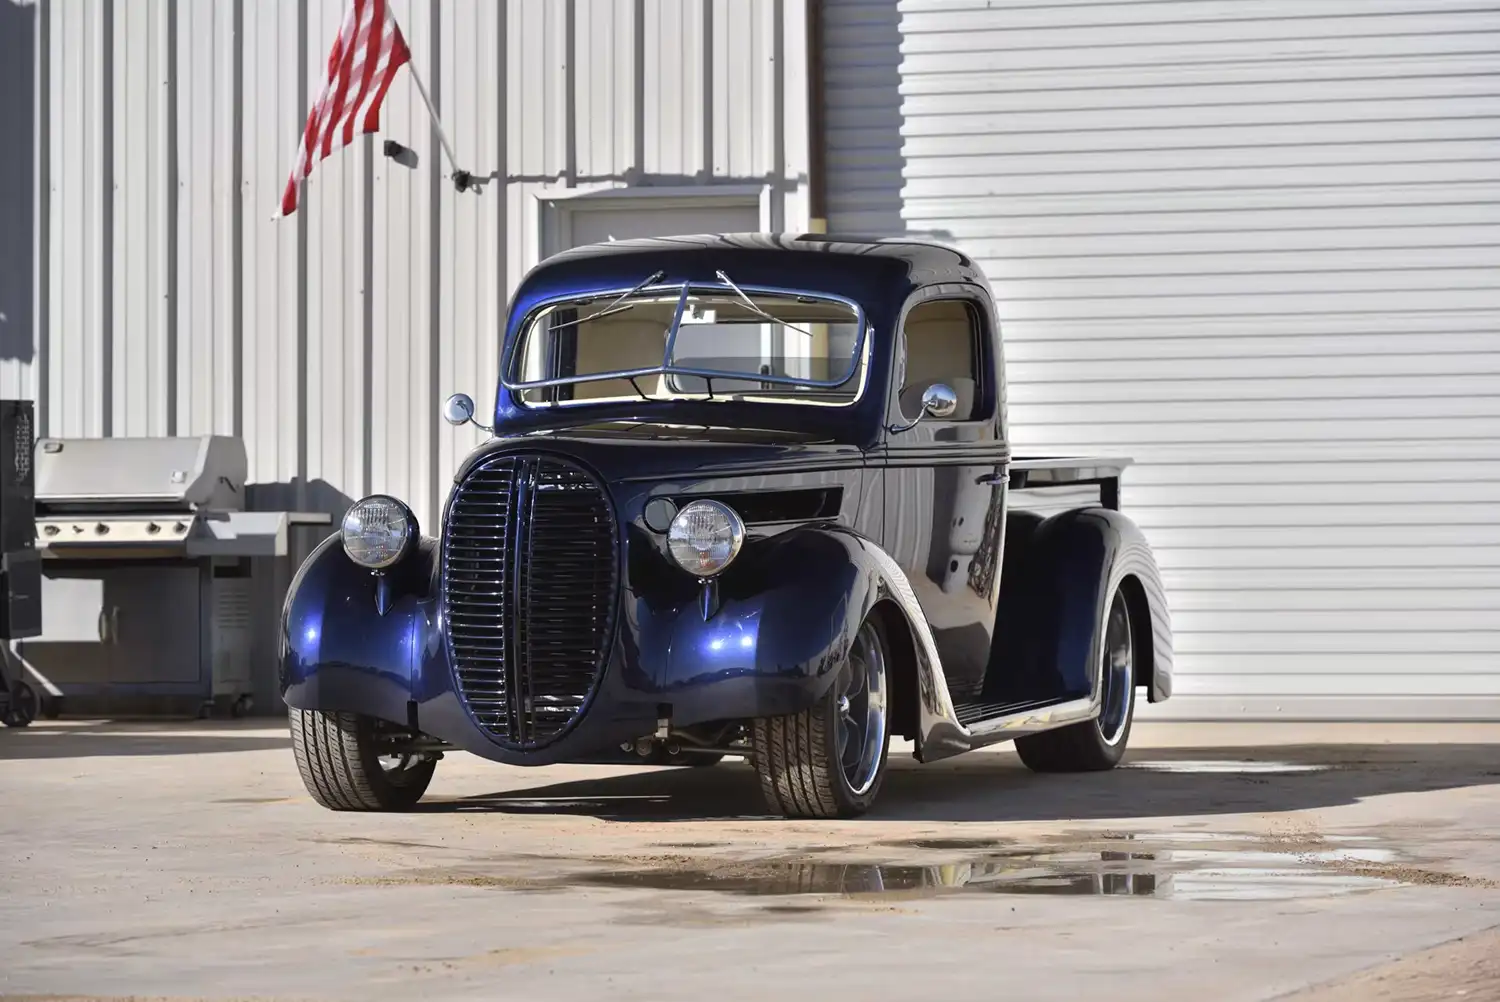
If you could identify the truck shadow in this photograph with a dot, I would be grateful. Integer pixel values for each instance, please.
(997, 787)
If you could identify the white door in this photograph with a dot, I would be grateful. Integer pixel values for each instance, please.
(1254, 247)
(639, 218)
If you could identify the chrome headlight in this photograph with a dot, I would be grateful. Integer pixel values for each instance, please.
(704, 537)
(378, 531)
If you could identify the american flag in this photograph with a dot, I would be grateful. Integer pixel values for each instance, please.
(365, 57)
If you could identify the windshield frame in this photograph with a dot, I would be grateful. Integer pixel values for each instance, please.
(859, 363)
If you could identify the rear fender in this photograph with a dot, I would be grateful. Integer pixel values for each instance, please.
(1058, 573)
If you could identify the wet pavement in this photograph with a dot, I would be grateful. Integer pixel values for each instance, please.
(1231, 861)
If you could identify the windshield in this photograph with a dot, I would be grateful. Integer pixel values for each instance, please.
(706, 342)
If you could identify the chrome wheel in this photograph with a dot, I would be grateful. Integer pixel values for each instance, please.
(861, 711)
(1117, 673)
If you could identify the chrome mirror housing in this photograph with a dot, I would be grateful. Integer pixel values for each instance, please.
(939, 401)
(458, 410)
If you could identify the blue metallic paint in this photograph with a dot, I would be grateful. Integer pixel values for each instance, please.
(815, 581)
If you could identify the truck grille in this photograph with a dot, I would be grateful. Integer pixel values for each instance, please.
(529, 572)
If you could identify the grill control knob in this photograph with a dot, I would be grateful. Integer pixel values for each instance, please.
(179, 527)
(153, 528)
(77, 528)
(50, 530)
(101, 529)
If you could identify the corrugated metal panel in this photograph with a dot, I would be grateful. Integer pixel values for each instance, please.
(177, 304)
(862, 108)
(1255, 245)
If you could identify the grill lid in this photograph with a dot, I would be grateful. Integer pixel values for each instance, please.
(177, 474)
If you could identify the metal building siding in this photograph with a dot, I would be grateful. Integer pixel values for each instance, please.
(177, 304)
(1254, 244)
(862, 115)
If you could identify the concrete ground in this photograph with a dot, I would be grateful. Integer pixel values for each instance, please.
(1328, 863)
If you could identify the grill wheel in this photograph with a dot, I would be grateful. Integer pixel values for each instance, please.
(530, 574)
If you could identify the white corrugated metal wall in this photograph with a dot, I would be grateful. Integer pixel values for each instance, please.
(176, 304)
(172, 302)
(1254, 244)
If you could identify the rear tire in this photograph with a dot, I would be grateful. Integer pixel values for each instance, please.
(829, 760)
(1099, 744)
(340, 759)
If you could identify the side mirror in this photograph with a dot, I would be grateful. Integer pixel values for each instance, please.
(938, 401)
(458, 410)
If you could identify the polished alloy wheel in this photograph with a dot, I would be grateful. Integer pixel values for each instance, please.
(1117, 670)
(862, 711)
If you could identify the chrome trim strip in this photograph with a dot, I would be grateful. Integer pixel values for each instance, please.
(510, 361)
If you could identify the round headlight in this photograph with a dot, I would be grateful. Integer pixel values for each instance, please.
(378, 531)
(704, 537)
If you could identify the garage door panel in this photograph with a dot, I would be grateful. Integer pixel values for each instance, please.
(1438, 373)
(1101, 54)
(1370, 556)
(1350, 409)
(1159, 175)
(1351, 475)
(1403, 83)
(1311, 682)
(1271, 432)
(935, 15)
(1353, 511)
(1256, 247)
(998, 81)
(1206, 124)
(1232, 304)
(1340, 584)
(1250, 341)
(1201, 607)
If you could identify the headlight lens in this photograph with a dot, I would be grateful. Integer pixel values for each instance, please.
(378, 531)
(704, 537)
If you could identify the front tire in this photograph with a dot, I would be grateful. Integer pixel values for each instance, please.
(345, 768)
(1098, 744)
(829, 760)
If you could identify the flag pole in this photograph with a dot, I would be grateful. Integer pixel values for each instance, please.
(462, 179)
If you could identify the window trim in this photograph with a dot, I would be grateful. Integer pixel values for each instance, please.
(980, 341)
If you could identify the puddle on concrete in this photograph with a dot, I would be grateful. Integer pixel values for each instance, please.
(1223, 766)
(1203, 874)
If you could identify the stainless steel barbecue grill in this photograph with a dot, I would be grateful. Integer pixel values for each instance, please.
(146, 581)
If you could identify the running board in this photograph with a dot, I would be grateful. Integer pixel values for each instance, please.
(989, 723)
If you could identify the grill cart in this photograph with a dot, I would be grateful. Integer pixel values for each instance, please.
(744, 495)
(146, 549)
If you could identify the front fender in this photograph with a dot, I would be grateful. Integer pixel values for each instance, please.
(1059, 573)
(339, 650)
(766, 639)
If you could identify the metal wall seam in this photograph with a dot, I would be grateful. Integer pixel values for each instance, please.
(41, 307)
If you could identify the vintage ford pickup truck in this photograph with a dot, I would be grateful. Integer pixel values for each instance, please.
(745, 495)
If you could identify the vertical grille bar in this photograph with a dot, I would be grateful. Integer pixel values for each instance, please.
(531, 578)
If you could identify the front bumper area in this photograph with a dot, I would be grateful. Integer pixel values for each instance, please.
(340, 653)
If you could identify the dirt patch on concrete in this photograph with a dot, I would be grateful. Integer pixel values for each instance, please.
(1467, 968)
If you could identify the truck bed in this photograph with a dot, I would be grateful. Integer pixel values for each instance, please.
(1061, 471)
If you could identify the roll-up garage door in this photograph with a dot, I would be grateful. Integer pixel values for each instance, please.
(1255, 245)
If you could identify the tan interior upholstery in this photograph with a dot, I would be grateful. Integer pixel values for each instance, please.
(940, 340)
(611, 343)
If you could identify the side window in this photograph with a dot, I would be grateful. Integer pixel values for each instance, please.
(943, 346)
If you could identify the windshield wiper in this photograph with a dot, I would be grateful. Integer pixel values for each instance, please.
(614, 304)
(756, 309)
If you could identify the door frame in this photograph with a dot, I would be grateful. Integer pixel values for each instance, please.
(551, 209)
